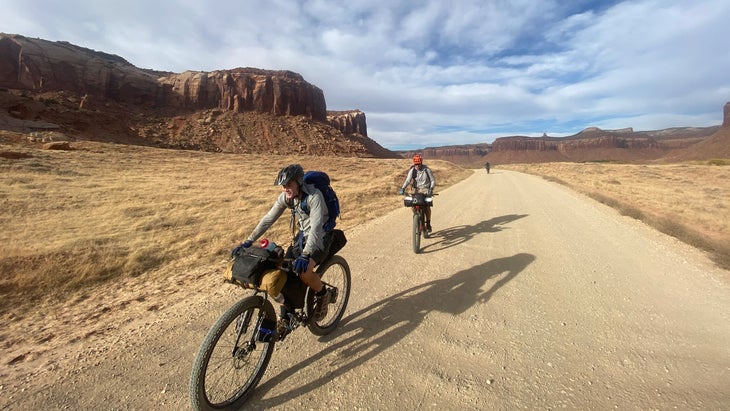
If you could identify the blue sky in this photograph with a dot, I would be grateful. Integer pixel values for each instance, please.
(432, 73)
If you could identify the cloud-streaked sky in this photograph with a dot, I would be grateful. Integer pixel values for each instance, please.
(433, 72)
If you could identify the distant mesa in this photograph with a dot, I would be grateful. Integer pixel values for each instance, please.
(593, 130)
(595, 144)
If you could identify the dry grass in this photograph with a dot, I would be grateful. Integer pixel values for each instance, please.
(83, 218)
(75, 219)
(689, 201)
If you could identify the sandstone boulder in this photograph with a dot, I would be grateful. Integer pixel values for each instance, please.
(57, 145)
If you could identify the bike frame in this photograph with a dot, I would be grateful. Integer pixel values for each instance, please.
(224, 376)
(301, 303)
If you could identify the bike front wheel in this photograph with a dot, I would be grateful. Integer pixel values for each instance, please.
(335, 274)
(417, 232)
(232, 360)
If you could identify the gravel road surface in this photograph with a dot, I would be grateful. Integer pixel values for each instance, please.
(528, 295)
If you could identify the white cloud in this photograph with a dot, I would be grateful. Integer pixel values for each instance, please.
(434, 72)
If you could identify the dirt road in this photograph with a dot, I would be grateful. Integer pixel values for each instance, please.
(527, 296)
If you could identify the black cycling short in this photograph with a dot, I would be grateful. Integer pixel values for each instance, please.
(318, 255)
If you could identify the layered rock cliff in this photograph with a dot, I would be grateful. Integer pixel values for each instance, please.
(40, 65)
(591, 144)
(95, 95)
(593, 138)
(349, 122)
(282, 93)
(716, 146)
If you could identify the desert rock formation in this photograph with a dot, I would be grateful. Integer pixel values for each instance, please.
(94, 95)
(88, 94)
(591, 144)
(40, 66)
(716, 146)
(349, 122)
(282, 93)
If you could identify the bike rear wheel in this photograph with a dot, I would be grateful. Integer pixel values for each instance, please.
(231, 360)
(335, 274)
(417, 232)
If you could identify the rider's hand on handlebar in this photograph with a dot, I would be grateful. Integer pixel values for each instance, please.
(241, 246)
(401, 191)
(301, 263)
(430, 192)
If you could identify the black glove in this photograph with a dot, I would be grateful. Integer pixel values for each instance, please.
(240, 247)
(430, 192)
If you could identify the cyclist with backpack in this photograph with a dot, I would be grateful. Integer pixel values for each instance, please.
(311, 245)
(421, 177)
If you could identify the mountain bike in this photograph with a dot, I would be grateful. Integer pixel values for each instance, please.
(235, 353)
(418, 202)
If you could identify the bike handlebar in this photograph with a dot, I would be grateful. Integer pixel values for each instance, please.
(413, 193)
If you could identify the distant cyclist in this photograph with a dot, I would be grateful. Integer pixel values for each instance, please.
(487, 166)
(421, 177)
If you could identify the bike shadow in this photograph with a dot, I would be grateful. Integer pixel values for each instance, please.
(370, 331)
(452, 236)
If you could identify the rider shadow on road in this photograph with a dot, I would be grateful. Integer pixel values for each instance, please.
(372, 330)
(450, 237)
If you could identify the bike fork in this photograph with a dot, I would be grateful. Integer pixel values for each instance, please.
(242, 326)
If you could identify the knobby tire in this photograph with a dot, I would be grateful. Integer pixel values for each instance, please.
(417, 232)
(335, 272)
(221, 380)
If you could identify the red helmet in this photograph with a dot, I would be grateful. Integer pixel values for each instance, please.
(417, 159)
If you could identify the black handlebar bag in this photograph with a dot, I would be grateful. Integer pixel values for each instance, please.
(418, 199)
(249, 265)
